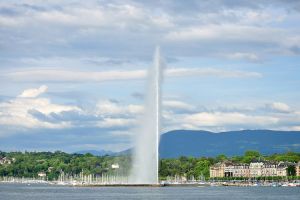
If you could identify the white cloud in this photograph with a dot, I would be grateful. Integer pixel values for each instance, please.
(96, 76)
(107, 114)
(77, 76)
(117, 116)
(116, 123)
(242, 55)
(126, 25)
(256, 17)
(113, 114)
(294, 128)
(280, 107)
(126, 133)
(189, 31)
(15, 112)
(228, 32)
(10, 22)
(175, 104)
(90, 15)
(110, 108)
(214, 72)
(32, 93)
(219, 119)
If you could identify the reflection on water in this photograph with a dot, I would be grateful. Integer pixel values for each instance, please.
(46, 192)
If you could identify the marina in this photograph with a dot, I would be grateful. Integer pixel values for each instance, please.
(110, 183)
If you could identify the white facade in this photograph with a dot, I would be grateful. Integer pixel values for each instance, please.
(241, 170)
(282, 169)
(42, 174)
(298, 169)
(256, 169)
(5, 160)
(115, 166)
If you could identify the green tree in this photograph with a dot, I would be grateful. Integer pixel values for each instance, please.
(202, 168)
(291, 171)
(221, 158)
(251, 153)
(250, 156)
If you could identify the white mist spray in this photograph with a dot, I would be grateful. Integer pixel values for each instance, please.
(145, 157)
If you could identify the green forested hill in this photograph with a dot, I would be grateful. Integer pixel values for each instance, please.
(29, 164)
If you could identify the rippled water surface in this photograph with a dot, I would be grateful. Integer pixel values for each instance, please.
(45, 192)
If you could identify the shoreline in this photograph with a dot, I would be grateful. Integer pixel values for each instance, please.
(162, 184)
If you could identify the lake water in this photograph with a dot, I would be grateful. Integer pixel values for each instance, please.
(46, 192)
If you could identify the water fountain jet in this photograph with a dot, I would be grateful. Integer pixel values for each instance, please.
(146, 157)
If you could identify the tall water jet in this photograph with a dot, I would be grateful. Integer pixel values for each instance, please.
(145, 157)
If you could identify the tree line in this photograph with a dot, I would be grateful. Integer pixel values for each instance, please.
(199, 167)
(29, 164)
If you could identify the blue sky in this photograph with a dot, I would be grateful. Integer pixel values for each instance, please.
(72, 73)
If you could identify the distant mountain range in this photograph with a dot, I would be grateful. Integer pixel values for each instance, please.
(95, 152)
(203, 143)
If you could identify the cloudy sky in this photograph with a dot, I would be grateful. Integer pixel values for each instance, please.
(72, 73)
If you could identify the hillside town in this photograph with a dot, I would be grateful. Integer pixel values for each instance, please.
(254, 169)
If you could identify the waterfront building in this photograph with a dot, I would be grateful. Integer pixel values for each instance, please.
(229, 170)
(218, 170)
(241, 170)
(297, 168)
(269, 169)
(282, 169)
(254, 169)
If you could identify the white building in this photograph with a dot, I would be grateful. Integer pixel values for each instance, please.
(241, 170)
(5, 160)
(115, 166)
(42, 174)
(269, 169)
(282, 169)
(218, 170)
(297, 167)
(256, 169)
